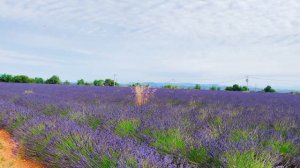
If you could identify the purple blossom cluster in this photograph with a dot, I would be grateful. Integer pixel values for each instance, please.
(73, 126)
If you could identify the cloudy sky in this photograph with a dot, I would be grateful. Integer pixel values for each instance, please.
(200, 41)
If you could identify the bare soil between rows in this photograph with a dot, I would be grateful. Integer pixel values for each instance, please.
(10, 154)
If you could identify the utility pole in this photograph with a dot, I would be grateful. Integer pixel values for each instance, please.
(247, 80)
(114, 79)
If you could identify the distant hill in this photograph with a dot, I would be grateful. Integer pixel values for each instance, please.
(180, 85)
(207, 86)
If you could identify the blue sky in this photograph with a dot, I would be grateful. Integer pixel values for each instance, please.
(200, 41)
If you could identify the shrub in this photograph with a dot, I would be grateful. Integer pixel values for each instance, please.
(38, 134)
(6, 78)
(132, 162)
(22, 79)
(110, 82)
(214, 88)
(169, 141)
(18, 121)
(76, 147)
(127, 128)
(66, 82)
(198, 155)
(236, 87)
(197, 87)
(239, 135)
(98, 82)
(284, 148)
(38, 80)
(50, 110)
(80, 82)
(216, 121)
(53, 80)
(94, 122)
(38, 129)
(269, 89)
(170, 87)
(248, 159)
(136, 84)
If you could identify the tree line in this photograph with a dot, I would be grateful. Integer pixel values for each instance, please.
(106, 82)
(53, 80)
(235, 87)
(109, 82)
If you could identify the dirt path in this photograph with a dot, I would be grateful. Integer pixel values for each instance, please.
(8, 158)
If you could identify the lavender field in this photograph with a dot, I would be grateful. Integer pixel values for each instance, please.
(73, 126)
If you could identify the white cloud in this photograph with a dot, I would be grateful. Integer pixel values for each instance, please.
(216, 38)
(176, 18)
(15, 58)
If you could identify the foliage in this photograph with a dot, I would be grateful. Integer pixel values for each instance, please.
(22, 79)
(39, 129)
(38, 80)
(197, 87)
(138, 85)
(110, 82)
(98, 82)
(66, 82)
(131, 162)
(214, 88)
(236, 87)
(71, 126)
(53, 80)
(169, 141)
(239, 135)
(80, 82)
(284, 148)
(127, 128)
(6, 78)
(170, 87)
(17, 122)
(248, 159)
(198, 155)
(269, 89)
(94, 122)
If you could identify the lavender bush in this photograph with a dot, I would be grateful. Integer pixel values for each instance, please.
(71, 126)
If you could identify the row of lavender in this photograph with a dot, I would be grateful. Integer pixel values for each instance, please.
(73, 126)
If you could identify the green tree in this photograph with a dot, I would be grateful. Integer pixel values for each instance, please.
(80, 82)
(22, 79)
(38, 80)
(236, 87)
(135, 84)
(229, 88)
(88, 84)
(66, 82)
(245, 88)
(139, 84)
(6, 78)
(213, 88)
(53, 80)
(170, 87)
(98, 82)
(197, 87)
(269, 89)
(110, 82)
